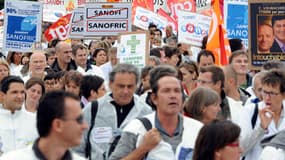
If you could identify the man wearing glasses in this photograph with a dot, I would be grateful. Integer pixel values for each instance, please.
(271, 114)
(60, 126)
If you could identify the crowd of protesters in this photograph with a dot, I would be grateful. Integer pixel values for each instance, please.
(75, 100)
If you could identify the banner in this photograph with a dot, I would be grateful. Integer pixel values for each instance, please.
(236, 22)
(76, 29)
(217, 39)
(59, 29)
(22, 25)
(54, 9)
(147, 4)
(175, 5)
(170, 21)
(192, 27)
(134, 48)
(107, 18)
(266, 31)
(144, 17)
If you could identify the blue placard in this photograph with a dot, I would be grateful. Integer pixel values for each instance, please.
(22, 25)
(237, 22)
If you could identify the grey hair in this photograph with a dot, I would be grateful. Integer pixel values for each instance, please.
(124, 68)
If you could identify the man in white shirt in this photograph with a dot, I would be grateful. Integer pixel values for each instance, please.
(80, 54)
(60, 125)
(17, 128)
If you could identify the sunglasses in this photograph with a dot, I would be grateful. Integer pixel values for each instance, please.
(79, 119)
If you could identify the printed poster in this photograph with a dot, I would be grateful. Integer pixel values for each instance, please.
(144, 17)
(192, 27)
(236, 13)
(134, 48)
(22, 25)
(107, 18)
(266, 39)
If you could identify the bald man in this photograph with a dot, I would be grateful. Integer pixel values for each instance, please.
(37, 65)
(63, 62)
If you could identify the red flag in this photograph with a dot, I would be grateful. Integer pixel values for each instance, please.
(186, 5)
(58, 29)
(218, 42)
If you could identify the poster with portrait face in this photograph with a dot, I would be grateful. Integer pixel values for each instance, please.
(266, 31)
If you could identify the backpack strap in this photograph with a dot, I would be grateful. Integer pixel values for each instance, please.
(254, 116)
(146, 123)
(94, 109)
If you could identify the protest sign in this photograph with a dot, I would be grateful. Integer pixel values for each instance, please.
(170, 21)
(76, 29)
(134, 48)
(192, 27)
(175, 5)
(59, 29)
(144, 17)
(54, 9)
(147, 4)
(22, 25)
(265, 38)
(107, 18)
(236, 13)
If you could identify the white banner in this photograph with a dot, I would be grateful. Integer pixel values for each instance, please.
(107, 18)
(144, 17)
(76, 25)
(22, 25)
(54, 9)
(192, 27)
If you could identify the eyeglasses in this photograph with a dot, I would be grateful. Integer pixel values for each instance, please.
(234, 144)
(204, 82)
(270, 94)
(79, 119)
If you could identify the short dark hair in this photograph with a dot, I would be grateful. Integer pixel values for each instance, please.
(170, 51)
(77, 47)
(277, 18)
(51, 106)
(158, 30)
(33, 81)
(5, 83)
(97, 50)
(235, 54)
(159, 72)
(274, 78)
(205, 53)
(217, 73)
(124, 68)
(213, 137)
(90, 82)
(151, 25)
(235, 44)
(156, 52)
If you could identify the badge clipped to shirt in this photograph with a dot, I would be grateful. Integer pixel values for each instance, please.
(102, 134)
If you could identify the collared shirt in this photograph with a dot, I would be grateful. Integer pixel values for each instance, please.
(177, 136)
(40, 155)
